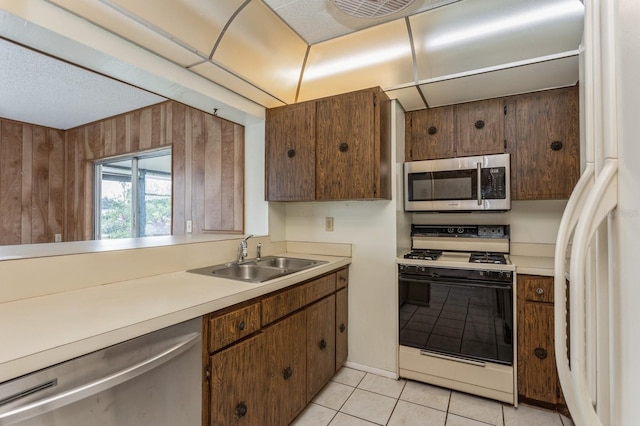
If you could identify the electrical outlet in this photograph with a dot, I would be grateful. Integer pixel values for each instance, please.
(328, 224)
(189, 227)
(57, 238)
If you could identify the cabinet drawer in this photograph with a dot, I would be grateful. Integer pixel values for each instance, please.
(538, 289)
(281, 304)
(342, 278)
(227, 328)
(319, 288)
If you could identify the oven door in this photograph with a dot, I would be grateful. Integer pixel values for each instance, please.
(455, 317)
(467, 183)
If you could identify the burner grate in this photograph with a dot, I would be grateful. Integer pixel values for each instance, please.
(423, 254)
(485, 257)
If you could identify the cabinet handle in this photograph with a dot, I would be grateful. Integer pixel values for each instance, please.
(287, 373)
(539, 291)
(241, 325)
(344, 147)
(342, 328)
(540, 353)
(323, 344)
(291, 153)
(556, 145)
(432, 130)
(479, 124)
(241, 410)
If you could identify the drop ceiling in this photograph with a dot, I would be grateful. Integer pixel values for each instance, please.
(277, 52)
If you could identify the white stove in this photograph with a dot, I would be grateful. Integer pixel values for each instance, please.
(457, 309)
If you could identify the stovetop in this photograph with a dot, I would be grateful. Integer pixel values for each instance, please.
(467, 246)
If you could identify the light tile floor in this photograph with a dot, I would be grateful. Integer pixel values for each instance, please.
(357, 398)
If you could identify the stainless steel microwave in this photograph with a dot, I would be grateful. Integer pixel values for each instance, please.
(458, 184)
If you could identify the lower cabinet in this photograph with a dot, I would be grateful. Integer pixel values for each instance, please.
(321, 344)
(269, 370)
(238, 389)
(537, 375)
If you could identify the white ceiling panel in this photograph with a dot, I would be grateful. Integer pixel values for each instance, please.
(377, 56)
(476, 34)
(60, 95)
(232, 82)
(510, 81)
(409, 98)
(195, 23)
(320, 20)
(264, 50)
(111, 19)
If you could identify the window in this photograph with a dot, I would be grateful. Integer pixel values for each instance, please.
(133, 196)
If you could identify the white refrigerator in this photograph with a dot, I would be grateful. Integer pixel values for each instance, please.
(599, 236)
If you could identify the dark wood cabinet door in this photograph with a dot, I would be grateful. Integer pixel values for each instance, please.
(429, 134)
(239, 384)
(290, 145)
(342, 327)
(548, 152)
(346, 147)
(537, 374)
(321, 341)
(479, 128)
(286, 346)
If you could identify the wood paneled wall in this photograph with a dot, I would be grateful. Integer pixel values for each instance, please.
(208, 165)
(46, 175)
(31, 183)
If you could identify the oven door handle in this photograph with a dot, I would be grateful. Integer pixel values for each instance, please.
(479, 184)
(455, 282)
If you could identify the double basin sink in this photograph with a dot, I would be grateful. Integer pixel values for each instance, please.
(258, 270)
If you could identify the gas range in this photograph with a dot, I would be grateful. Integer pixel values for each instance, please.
(460, 246)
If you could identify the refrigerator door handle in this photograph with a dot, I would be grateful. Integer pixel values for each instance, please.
(601, 201)
(572, 212)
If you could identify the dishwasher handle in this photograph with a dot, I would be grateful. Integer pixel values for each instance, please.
(77, 393)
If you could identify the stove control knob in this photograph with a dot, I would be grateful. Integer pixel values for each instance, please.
(460, 230)
(450, 230)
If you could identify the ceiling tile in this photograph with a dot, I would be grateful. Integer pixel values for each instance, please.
(377, 56)
(510, 81)
(195, 23)
(475, 34)
(109, 18)
(232, 82)
(263, 50)
(409, 98)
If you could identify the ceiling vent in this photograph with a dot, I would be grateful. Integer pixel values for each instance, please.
(371, 8)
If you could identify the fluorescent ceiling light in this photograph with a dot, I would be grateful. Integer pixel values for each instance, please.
(356, 61)
(505, 23)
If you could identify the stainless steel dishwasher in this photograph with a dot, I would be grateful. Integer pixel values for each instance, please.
(154, 379)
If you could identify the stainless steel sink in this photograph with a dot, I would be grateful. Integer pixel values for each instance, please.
(257, 271)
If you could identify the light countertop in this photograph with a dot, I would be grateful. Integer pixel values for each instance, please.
(41, 331)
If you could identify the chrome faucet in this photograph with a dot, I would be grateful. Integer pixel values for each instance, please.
(242, 250)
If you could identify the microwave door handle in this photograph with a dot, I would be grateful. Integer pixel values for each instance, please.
(479, 189)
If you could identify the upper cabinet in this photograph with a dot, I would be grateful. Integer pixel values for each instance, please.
(335, 148)
(547, 163)
(474, 128)
(540, 130)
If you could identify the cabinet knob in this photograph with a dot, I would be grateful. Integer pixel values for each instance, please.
(241, 410)
(241, 325)
(344, 147)
(540, 353)
(539, 291)
(287, 373)
(291, 153)
(342, 328)
(556, 145)
(432, 130)
(479, 124)
(323, 344)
